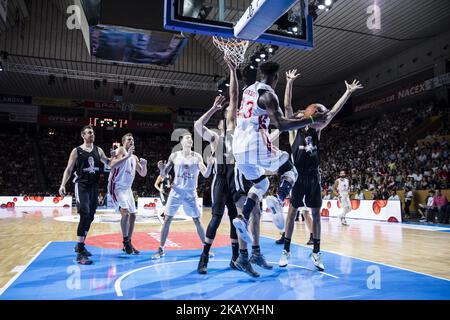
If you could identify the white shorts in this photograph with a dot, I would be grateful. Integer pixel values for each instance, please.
(255, 164)
(185, 198)
(122, 198)
(345, 201)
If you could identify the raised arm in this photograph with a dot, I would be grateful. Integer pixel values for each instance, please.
(141, 166)
(165, 166)
(157, 183)
(355, 85)
(68, 171)
(121, 156)
(291, 75)
(200, 124)
(234, 95)
(205, 170)
(270, 102)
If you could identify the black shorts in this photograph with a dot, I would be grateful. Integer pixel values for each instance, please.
(307, 191)
(87, 197)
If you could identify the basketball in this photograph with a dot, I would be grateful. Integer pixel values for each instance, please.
(310, 111)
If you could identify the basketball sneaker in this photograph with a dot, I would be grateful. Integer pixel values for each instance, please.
(241, 225)
(310, 241)
(284, 259)
(316, 258)
(243, 264)
(83, 259)
(276, 206)
(344, 221)
(261, 261)
(232, 265)
(159, 254)
(135, 251)
(281, 240)
(82, 250)
(127, 247)
(202, 267)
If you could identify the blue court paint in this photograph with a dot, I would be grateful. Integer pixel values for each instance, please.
(54, 275)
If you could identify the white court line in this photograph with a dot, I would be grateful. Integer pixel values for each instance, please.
(384, 264)
(10, 282)
(118, 287)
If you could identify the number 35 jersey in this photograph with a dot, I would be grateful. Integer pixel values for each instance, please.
(251, 133)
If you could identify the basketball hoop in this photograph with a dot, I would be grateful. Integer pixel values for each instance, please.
(232, 47)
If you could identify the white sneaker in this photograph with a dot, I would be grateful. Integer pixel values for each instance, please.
(284, 260)
(277, 209)
(316, 258)
(159, 254)
(423, 220)
(344, 221)
(241, 226)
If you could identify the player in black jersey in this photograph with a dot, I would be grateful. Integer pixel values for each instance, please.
(225, 190)
(85, 159)
(163, 185)
(307, 191)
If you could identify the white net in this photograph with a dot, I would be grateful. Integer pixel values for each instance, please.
(232, 47)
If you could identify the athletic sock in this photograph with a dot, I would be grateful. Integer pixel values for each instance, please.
(234, 250)
(256, 250)
(316, 247)
(310, 236)
(248, 207)
(206, 248)
(284, 190)
(287, 244)
(243, 252)
(125, 239)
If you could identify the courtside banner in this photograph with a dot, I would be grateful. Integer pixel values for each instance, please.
(154, 206)
(35, 201)
(63, 120)
(380, 210)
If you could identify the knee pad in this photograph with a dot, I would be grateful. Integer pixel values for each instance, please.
(260, 188)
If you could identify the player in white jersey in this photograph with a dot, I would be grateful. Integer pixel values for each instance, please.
(252, 147)
(186, 164)
(342, 186)
(123, 169)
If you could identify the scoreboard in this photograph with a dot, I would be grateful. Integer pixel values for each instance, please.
(108, 122)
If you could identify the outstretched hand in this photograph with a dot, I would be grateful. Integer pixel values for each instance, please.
(291, 75)
(229, 62)
(218, 102)
(355, 85)
(161, 167)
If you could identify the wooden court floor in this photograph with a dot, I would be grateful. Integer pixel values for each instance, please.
(424, 251)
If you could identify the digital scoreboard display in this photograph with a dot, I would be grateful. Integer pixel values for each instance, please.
(108, 122)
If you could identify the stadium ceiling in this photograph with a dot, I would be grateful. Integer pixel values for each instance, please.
(38, 43)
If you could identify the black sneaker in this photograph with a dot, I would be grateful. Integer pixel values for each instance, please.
(83, 250)
(232, 266)
(127, 247)
(281, 240)
(242, 263)
(310, 242)
(135, 251)
(83, 259)
(258, 258)
(203, 264)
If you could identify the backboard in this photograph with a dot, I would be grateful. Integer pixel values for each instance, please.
(218, 17)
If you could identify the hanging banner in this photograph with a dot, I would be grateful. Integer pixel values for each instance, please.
(11, 98)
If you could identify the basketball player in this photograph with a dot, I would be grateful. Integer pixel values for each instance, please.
(252, 148)
(124, 166)
(342, 186)
(306, 156)
(186, 164)
(86, 160)
(163, 185)
(223, 192)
